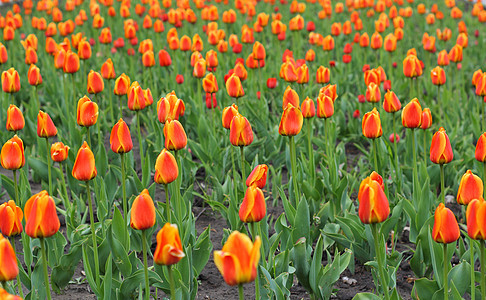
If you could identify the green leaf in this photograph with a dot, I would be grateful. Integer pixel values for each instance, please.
(460, 277)
(201, 251)
(301, 222)
(366, 296)
(424, 288)
(107, 280)
(64, 271)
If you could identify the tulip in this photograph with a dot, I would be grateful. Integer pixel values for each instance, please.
(308, 108)
(120, 139)
(175, 136)
(59, 152)
(302, 74)
(329, 90)
(84, 50)
(229, 113)
(6, 296)
(10, 219)
(258, 176)
(391, 104)
(371, 124)
(12, 154)
(412, 114)
(446, 229)
(170, 107)
(87, 112)
(122, 84)
(455, 55)
(166, 169)
(84, 168)
(322, 75)
(41, 216)
(238, 260)
(95, 83)
(480, 153)
(443, 58)
(210, 85)
(142, 214)
(325, 106)
(169, 246)
(470, 188)
(71, 62)
(136, 97)
(290, 97)
(34, 76)
(241, 133)
(440, 149)
(373, 93)
(291, 121)
(271, 83)
(9, 268)
(438, 76)
(10, 81)
(253, 208)
(234, 87)
(475, 215)
(373, 204)
(45, 126)
(15, 118)
(412, 67)
(426, 119)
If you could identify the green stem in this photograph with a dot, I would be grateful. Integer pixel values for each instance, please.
(36, 95)
(257, 279)
(446, 271)
(483, 266)
(140, 140)
(199, 96)
(144, 249)
(171, 281)
(473, 280)
(293, 162)
(19, 284)
(74, 88)
(48, 162)
(167, 202)
(121, 106)
(414, 152)
(310, 149)
(16, 187)
(67, 204)
(240, 292)
(124, 192)
(243, 175)
(377, 239)
(93, 235)
(88, 137)
(397, 170)
(178, 190)
(375, 150)
(482, 115)
(484, 179)
(46, 274)
(442, 191)
(110, 92)
(438, 103)
(425, 147)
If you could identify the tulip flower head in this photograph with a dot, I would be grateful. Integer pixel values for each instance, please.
(41, 218)
(87, 112)
(45, 126)
(11, 219)
(234, 87)
(470, 188)
(169, 246)
(34, 76)
(170, 107)
(122, 84)
(241, 133)
(426, 119)
(238, 259)
(258, 176)
(84, 168)
(229, 113)
(291, 121)
(373, 204)
(412, 114)
(371, 124)
(120, 139)
(308, 108)
(446, 229)
(290, 96)
(412, 67)
(438, 76)
(475, 215)
(253, 208)
(10, 81)
(59, 152)
(325, 106)
(166, 169)
(142, 214)
(15, 118)
(12, 154)
(440, 149)
(9, 268)
(480, 153)
(95, 83)
(391, 104)
(175, 135)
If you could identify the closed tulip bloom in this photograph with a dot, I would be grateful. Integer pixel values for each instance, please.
(175, 136)
(84, 168)
(322, 75)
(199, 68)
(373, 204)
(438, 76)
(412, 67)
(136, 97)
(373, 93)
(169, 246)
(390, 44)
(475, 215)
(84, 50)
(470, 188)
(325, 106)
(59, 152)
(45, 126)
(302, 74)
(234, 87)
(376, 41)
(11, 219)
(170, 107)
(446, 229)
(476, 75)
(291, 121)
(210, 84)
(290, 96)
(241, 133)
(253, 208)
(164, 58)
(229, 113)
(108, 70)
(329, 90)
(259, 52)
(308, 108)
(371, 124)
(120, 139)
(15, 118)
(148, 59)
(41, 220)
(412, 114)
(238, 259)
(372, 75)
(30, 56)
(443, 58)
(12, 155)
(166, 169)
(391, 103)
(426, 119)
(440, 149)
(87, 112)
(288, 72)
(95, 83)
(71, 62)
(212, 59)
(10, 81)
(258, 176)
(9, 268)
(480, 152)
(240, 71)
(3, 54)
(122, 84)
(455, 55)
(34, 76)
(481, 85)
(142, 214)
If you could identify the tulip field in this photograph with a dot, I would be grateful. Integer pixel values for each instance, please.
(243, 149)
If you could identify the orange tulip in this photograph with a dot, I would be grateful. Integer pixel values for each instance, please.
(199, 68)
(30, 56)
(446, 229)
(390, 43)
(322, 75)
(41, 220)
(470, 188)
(376, 41)
(229, 113)
(329, 90)
(210, 84)
(372, 76)
(475, 215)
(136, 97)
(148, 59)
(443, 58)
(253, 208)
(166, 169)
(142, 214)
(476, 75)
(290, 96)
(59, 152)
(325, 106)
(480, 152)
(164, 58)
(302, 74)
(15, 118)
(438, 76)
(259, 52)
(371, 124)
(240, 71)
(12, 154)
(9, 268)
(426, 119)
(169, 246)
(120, 139)
(455, 55)
(11, 219)
(412, 67)
(241, 133)
(234, 87)
(87, 112)
(258, 176)
(3, 54)
(391, 103)
(175, 136)
(212, 59)
(170, 107)
(122, 84)
(71, 62)
(10, 81)
(481, 85)
(373, 93)
(34, 75)
(308, 108)
(238, 259)
(84, 168)
(440, 149)
(412, 114)
(95, 83)
(108, 70)
(373, 204)
(288, 72)
(291, 121)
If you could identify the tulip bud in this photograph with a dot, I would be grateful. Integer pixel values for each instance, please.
(15, 118)
(391, 103)
(122, 84)
(229, 113)
(71, 62)
(41, 220)
(142, 214)
(253, 208)
(34, 75)
(45, 126)
(475, 215)
(164, 58)
(446, 229)
(323, 75)
(373, 204)
(258, 176)
(426, 119)
(308, 108)
(210, 84)
(373, 93)
(290, 96)
(241, 133)
(136, 97)
(291, 121)
(302, 74)
(59, 152)
(481, 85)
(412, 67)
(95, 83)
(438, 76)
(325, 106)
(169, 246)
(10, 219)
(234, 87)
(329, 90)
(443, 58)
(9, 268)
(12, 154)
(238, 259)
(108, 70)
(271, 83)
(476, 75)
(166, 169)
(480, 152)
(259, 51)
(84, 168)
(412, 114)
(10, 81)
(87, 112)
(371, 124)
(120, 139)
(470, 187)
(175, 136)
(394, 138)
(440, 149)
(148, 59)
(84, 50)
